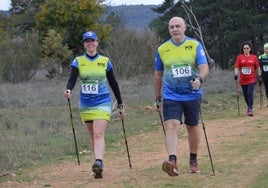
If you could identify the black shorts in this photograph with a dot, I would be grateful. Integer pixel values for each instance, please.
(175, 109)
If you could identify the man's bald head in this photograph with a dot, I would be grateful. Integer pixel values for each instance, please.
(177, 28)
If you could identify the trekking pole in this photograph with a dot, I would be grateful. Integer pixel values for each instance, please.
(204, 129)
(160, 115)
(75, 143)
(162, 123)
(123, 125)
(237, 97)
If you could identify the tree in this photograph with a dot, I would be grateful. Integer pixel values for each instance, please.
(54, 50)
(194, 25)
(224, 28)
(71, 19)
(20, 57)
(23, 13)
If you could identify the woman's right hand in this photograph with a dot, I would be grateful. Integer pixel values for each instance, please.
(67, 93)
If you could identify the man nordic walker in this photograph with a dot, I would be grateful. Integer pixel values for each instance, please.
(94, 70)
(181, 67)
(263, 59)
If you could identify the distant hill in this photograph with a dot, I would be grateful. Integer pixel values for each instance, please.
(5, 12)
(134, 17)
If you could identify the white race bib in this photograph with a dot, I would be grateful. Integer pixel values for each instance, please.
(246, 70)
(180, 71)
(265, 68)
(90, 87)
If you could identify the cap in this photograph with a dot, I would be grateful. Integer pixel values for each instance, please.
(265, 45)
(89, 35)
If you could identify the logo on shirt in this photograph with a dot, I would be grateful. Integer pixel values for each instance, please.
(167, 50)
(202, 53)
(101, 65)
(188, 48)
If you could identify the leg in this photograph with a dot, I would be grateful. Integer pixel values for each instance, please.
(171, 140)
(250, 93)
(99, 127)
(172, 114)
(245, 93)
(192, 110)
(265, 83)
(91, 138)
(97, 133)
(193, 138)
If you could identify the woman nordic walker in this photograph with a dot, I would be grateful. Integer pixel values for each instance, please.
(246, 68)
(180, 66)
(263, 60)
(95, 104)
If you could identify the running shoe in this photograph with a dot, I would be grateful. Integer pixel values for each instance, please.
(194, 167)
(97, 168)
(249, 112)
(170, 167)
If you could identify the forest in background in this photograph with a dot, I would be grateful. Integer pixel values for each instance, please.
(46, 35)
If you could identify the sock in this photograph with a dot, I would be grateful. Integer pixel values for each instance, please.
(173, 158)
(193, 156)
(99, 160)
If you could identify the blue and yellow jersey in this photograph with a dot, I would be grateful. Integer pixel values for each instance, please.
(263, 61)
(93, 82)
(179, 63)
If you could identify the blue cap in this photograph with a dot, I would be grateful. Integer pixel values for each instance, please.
(89, 35)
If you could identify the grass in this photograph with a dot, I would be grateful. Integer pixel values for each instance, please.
(36, 131)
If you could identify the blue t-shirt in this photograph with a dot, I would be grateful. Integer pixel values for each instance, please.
(179, 63)
(93, 82)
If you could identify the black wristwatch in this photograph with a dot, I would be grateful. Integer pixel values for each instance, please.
(200, 79)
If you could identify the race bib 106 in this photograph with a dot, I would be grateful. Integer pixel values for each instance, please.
(179, 71)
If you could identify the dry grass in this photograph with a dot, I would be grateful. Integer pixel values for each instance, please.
(37, 144)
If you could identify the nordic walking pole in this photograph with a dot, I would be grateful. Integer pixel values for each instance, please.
(204, 129)
(237, 96)
(71, 116)
(123, 125)
(162, 123)
(159, 112)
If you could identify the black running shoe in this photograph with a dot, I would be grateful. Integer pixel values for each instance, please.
(97, 168)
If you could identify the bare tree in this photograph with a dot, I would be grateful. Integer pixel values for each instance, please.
(193, 24)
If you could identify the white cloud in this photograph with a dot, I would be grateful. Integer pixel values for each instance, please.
(5, 4)
(133, 2)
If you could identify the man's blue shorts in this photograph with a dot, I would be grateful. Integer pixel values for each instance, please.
(175, 109)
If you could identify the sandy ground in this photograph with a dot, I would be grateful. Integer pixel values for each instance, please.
(116, 164)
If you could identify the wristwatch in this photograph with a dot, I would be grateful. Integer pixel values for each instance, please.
(200, 79)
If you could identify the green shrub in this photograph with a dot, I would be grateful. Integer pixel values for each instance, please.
(21, 57)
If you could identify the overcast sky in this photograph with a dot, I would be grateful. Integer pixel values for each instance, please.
(134, 2)
(4, 4)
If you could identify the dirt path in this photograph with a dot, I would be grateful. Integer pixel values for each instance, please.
(117, 171)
